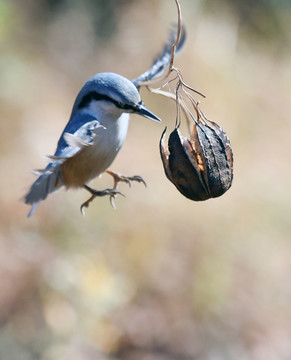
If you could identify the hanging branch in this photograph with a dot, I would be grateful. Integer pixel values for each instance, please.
(170, 68)
(181, 87)
(179, 26)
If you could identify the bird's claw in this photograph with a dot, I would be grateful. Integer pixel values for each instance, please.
(127, 179)
(136, 178)
(111, 192)
(113, 196)
(96, 193)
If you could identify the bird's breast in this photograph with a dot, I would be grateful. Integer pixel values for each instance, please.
(93, 160)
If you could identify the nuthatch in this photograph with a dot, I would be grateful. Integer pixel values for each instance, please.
(96, 131)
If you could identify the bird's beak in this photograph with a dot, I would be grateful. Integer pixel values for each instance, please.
(143, 111)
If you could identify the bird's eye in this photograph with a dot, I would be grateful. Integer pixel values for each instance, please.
(141, 103)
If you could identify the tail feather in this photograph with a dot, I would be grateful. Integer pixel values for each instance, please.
(33, 208)
(47, 183)
(163, 60)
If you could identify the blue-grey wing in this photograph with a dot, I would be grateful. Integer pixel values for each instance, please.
(80, 132)
(163, 59)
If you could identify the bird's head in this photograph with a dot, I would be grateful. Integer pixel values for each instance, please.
(113, 92)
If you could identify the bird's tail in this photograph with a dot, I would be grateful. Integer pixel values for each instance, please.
(163, 59)
(50, 180)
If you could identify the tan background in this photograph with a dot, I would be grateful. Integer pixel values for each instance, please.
(161, 277)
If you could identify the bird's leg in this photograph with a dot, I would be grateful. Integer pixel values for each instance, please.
(127, 179)
(95, 193)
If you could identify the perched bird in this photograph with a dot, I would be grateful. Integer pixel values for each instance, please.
(96, 131)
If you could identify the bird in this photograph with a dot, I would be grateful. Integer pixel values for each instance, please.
(96, 131)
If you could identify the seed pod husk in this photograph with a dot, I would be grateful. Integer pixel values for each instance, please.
(201, 166)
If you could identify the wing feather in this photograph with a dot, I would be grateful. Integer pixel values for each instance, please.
(80, 132)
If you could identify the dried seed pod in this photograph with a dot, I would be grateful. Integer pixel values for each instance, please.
(201, 167)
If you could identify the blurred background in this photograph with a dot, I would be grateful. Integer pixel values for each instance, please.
(162, 277)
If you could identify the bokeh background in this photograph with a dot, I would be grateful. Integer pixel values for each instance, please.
(162, 277)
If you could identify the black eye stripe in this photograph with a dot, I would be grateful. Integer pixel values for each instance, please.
(93, 95)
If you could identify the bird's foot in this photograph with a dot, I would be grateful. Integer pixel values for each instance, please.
(120, 178)
(127, 179)
(96, 193)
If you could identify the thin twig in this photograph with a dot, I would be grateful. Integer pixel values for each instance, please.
(168, 95)
(178, 36)
(178, 105)
(165, 74)
(184, 84)
(181, 86)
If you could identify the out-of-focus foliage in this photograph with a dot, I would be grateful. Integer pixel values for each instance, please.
(161, 277)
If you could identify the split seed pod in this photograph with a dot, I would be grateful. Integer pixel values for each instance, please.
(201, 166)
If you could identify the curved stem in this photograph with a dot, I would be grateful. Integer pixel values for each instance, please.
(164, 75)
(178, 35)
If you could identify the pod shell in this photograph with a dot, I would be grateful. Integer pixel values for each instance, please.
(201, 166)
